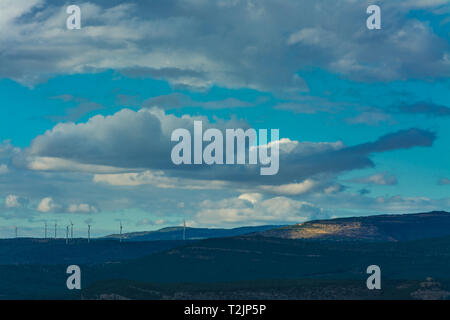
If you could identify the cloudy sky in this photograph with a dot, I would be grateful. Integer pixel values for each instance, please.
(86, 115)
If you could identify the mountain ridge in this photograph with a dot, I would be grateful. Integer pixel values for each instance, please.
(176, 233)
(384, 227)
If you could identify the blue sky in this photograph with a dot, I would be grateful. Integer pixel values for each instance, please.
(86, 114)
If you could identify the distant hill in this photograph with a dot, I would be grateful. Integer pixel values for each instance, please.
(373, 228)
(176, 233)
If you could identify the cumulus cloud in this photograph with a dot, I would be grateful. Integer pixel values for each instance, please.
(253, 198)
(12, 201)
(254, 210)
(127, 139)
(7, 151)
(133, 148)
(46, 205)
(82, 208)
(198, 44)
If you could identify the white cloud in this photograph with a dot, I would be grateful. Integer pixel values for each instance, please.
(253, 198)
(46, 205)
(285, 145)
(158, 179)
(82, 208)
(12, 201)
(292, 188)
(60, 164)
(241, 211)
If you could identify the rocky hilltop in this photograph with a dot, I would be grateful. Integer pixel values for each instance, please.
(377, 228)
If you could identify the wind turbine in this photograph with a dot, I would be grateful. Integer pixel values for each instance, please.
(89, 233)
(16, 232)
(120, 231)
(55, 229)
(71, 230)
(67, 234)
(184, 229)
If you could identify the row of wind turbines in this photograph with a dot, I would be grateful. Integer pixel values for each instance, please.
(69, 231)
(46, 230)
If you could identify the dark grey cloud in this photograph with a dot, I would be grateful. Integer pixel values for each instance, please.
(238, 43)
(403, 139)
(160, 73)
(426, 108)
(333, 161)
(128, 139)
(141, 140)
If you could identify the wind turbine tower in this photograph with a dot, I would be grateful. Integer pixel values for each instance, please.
(184, 229)
(120, 237)
(15, 231)
(67, 234)
(71, 230)
(55, 229)
(89, 233)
